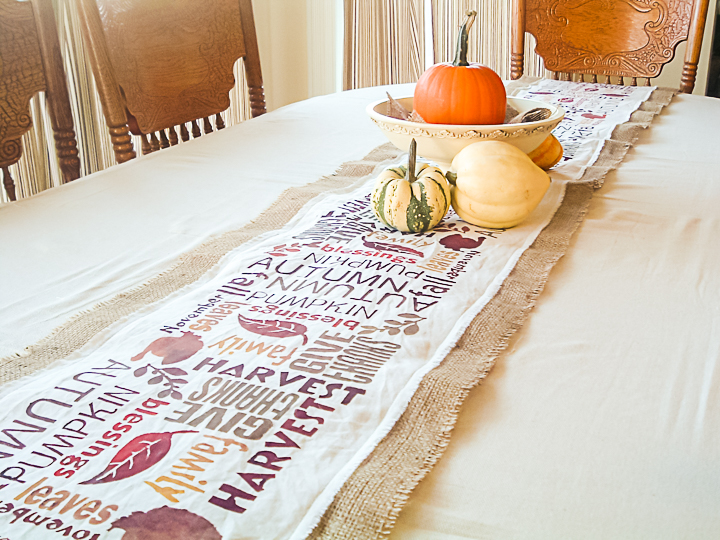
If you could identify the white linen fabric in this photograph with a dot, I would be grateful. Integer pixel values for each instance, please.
(263, 385)
(49, 273)
(394, 301)
(602, 418)
(599, 421)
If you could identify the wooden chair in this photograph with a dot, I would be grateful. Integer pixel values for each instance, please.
(30, 62)
(624, 38)
(162, 64)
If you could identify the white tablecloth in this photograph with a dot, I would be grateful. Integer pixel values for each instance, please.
(602, 420)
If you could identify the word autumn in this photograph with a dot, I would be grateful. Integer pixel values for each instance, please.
(83, 396)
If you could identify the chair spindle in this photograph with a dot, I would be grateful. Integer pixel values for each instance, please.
(195, 129)
(257, 100)
(67, 152)
(554, 75)
(122, 143)
(9, 184)
(207, 126)
(145, 144)
(184, 135)
(164, 143)
(173, 136)
(219, 124)
(154, 143)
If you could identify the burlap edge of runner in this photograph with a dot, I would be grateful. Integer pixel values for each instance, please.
(75, 333)
(369, 503)
(449, 384)
(72, 335)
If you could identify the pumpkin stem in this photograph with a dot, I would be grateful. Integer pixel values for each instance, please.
(411, 161)
(461, 49)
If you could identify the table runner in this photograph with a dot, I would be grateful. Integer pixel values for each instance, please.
(433, 270)
(369, 503)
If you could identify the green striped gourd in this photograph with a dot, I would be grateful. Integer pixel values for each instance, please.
(411, 201)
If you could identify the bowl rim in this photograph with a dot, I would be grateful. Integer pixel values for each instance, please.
(557, 115)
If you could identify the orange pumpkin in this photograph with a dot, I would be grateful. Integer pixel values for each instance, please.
(459, 92)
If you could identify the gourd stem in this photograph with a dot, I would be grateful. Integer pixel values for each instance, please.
(411, 161)
(461, 49)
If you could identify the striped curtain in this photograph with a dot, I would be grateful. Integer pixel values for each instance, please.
(38, 168)
(385, 39)
(384, 42)
(490, 37)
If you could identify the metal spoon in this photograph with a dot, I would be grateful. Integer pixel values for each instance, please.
(533, 115)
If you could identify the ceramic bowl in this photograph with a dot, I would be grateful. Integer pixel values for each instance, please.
(441, 142)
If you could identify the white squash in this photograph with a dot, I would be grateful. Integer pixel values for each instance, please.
(496, 185)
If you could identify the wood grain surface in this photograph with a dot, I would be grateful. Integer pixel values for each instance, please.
(622, 38)
(30, 62)
(160, 65)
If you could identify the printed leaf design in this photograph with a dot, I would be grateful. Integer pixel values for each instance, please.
(293, 248)
(380, 246)
(412, 329)
(175, 371)
(408, 327)
(271, 328)
(139, 372)
(368, 330)
(138, 455)
(168, 376)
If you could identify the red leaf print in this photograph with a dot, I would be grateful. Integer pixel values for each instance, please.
(273, 328)
(139, 454)
(379, 246)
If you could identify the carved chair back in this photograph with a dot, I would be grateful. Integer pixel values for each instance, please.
(623, 38)
(164, 64)
(30, 62)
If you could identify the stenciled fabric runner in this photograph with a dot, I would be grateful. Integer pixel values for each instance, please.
(288, 391)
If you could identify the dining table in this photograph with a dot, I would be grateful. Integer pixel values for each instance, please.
(598, 418)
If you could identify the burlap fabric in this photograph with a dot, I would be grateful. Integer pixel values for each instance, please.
(368, 504)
